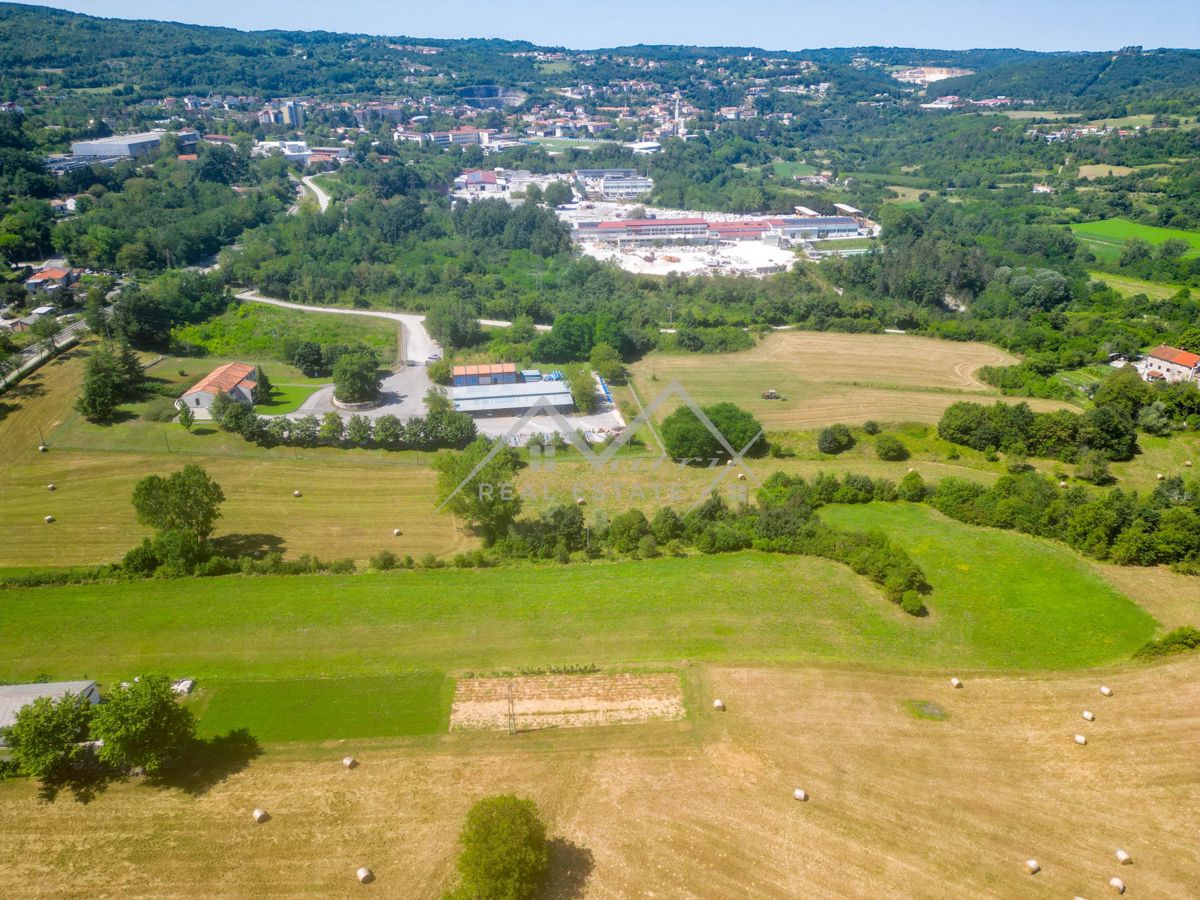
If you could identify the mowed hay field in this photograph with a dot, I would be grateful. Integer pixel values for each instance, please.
(352, 500)
(828, 377)
(899, 806)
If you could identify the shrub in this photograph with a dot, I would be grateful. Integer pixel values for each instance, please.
(441, 372)
(687, 437)
(504, 851)
(160, 409)
(383, 561)
(835, 439)
(1180, 640)
(911, 603)
(890, 448)
(871, 427)
(912, 488)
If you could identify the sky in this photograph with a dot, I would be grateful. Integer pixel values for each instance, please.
(770, 24)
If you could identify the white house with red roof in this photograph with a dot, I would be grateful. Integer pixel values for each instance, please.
(1171, 365)
(236, 379)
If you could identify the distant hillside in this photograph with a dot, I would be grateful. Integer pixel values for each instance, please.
(1080, 80)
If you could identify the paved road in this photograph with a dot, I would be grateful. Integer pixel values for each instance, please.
(35, 354)
(322, 197)
(418, 345)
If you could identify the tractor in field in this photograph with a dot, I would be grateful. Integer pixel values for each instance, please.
(771, 394)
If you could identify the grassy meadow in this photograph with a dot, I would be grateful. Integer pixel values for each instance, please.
(1106, 237)
(1128, 286)
(828, 377)
(257, 332)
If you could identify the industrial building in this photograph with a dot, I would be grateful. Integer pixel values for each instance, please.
(641, 231)
(127, 146)
(512, 399)
(613, 184)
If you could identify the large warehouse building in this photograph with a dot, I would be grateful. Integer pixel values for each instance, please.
(513, 399)
(642, 231)
(127, 145)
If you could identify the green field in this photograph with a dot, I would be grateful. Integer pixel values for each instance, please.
(1025, 599)
(567, 143)
(322, 709)
(258, 332)
(1128, 286)
(1106, 237)
(783, 169)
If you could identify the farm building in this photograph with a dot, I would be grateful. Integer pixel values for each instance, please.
(50, 279)
(1171, 365)
(512, 399)
(635, 231)
(15, 697)
(237, 379)
(493, 373)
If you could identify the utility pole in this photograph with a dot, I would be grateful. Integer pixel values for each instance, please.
(512, 711)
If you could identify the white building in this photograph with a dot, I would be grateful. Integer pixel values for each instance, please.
(1171, 365)
(236, 379)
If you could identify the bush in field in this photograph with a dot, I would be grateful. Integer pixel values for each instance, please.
(47, 734)
(890, 448)
(504, 855)
(835, 439)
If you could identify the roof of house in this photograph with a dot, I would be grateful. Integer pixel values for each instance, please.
(14, 697)
(651, 223)
(1173, 355)
(48, 275)
(226, 378)
(486, 369)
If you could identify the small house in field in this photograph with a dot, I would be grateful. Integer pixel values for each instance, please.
(237, 379)
(1171, 365)
(15, 697)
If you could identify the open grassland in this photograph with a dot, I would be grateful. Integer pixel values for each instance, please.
(1098, 170)
(784, 169)
(999, 599)
(828, 377)
(257, 332)
(351, 499)
(1128, 286)
(900, 805)
(1106, 237)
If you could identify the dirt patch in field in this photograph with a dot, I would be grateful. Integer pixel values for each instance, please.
(565, 701)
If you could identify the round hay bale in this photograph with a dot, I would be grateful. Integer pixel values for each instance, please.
(1187, 463)
(1062, 484)
(1089, 716)
(1116, 885)
(1159, 477)
(52, 486)
(741, 476)
(580, 501)
(1032, 867)
(1080, 740)
(719, 705)
(296, 494)
(955, 683)
(49, 519)
(1106, 691)
(261, 815)
(1123, 858)
(349, 762)
(42, 448)
(364, 875)
(729, 462)
(395, 532)
(800, 794)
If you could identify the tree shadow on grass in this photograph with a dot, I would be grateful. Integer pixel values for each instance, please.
(204, 764)
(85, 782)
(235, 546)
(570, 868)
